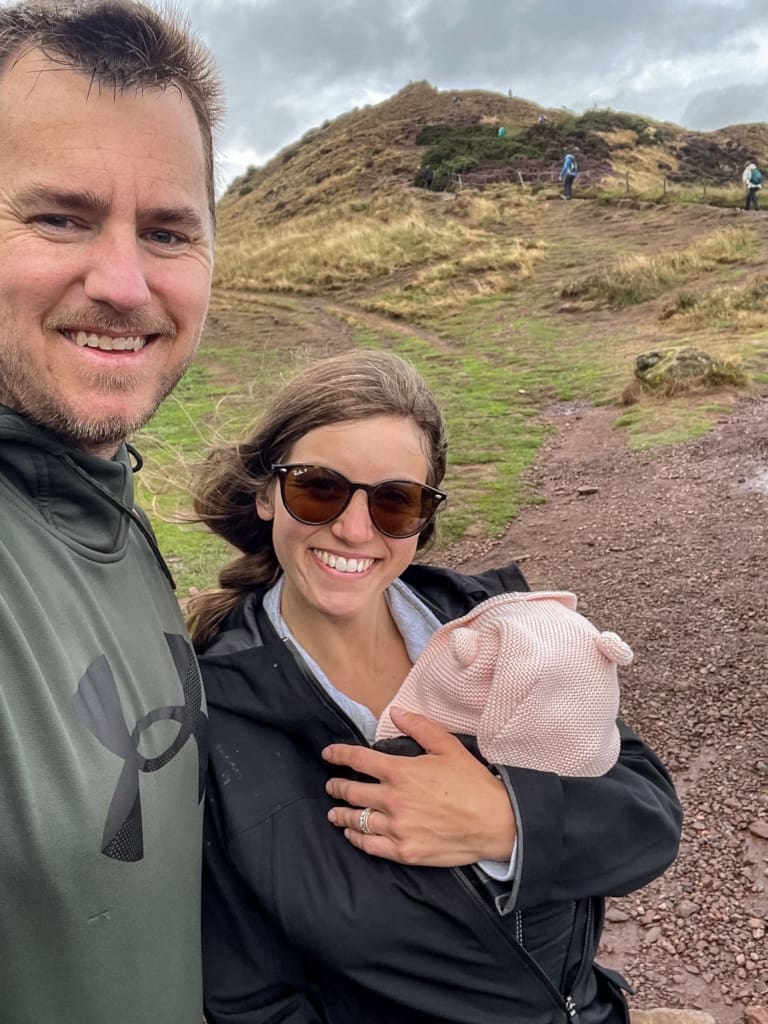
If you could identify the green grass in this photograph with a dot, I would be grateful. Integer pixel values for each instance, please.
(492, 382)
(200, 409)
(493, 436)
(660, 424)
(490, 403)
(492, 376)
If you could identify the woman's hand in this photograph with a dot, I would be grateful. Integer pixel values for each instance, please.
(442, 809)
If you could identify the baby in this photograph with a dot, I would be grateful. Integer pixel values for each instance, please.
(526, 675)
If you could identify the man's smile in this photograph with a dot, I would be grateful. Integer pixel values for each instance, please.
(106, 343)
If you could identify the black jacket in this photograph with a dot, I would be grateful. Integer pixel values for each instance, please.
(300, 927)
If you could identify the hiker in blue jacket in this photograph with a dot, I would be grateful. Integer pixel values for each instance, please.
(753, 180)
(567, 174)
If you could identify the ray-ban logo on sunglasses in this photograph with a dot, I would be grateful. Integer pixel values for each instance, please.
(316, 495)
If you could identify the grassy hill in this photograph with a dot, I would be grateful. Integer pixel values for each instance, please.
(506, 298)
(380, 149)
(363, 152)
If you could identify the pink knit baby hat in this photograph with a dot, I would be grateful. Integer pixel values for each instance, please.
(530, 677)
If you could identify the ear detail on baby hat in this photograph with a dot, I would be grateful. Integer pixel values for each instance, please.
(614, 648)
(465, 646)
(564, 597)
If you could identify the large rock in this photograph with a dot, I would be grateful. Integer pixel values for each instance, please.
(676, 369)
(664, 1016)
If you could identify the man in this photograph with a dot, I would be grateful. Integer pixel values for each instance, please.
(106, 236)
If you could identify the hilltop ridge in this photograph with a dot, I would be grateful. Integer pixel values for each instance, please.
(376, 150)
(363, 149)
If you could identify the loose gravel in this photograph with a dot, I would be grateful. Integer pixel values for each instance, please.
(668, 548)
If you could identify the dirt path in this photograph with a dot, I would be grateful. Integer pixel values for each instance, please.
(670, 551)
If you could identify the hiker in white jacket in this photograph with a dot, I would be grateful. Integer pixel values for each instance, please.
(753, 180)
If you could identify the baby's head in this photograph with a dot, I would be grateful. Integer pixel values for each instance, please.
(532, 679)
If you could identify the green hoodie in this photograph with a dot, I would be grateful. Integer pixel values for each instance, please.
(102, 750)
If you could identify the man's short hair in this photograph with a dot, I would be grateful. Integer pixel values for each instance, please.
(120, 45)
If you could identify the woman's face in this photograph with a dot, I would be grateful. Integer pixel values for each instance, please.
(365, 451)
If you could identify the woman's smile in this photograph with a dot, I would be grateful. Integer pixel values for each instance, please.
(341, 563)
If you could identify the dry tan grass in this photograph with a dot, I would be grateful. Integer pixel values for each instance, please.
(636, 278)
(742, 307)
(639, 165)
(332, 248)
(442, 245)
(490, 269)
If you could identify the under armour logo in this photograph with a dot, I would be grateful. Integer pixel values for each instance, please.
(97, 705)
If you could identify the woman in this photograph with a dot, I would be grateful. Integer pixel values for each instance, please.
(401, 914)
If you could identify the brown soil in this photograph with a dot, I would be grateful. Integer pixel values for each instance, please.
(668, 548)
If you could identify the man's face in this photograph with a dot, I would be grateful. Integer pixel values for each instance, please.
(105, 250)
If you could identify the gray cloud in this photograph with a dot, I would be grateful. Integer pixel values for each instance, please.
(734, 104)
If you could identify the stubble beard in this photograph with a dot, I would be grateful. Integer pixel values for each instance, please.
(21, 391)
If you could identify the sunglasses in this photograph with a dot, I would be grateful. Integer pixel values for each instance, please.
(315, 495)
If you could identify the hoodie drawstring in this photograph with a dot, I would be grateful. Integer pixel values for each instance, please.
(133, 514)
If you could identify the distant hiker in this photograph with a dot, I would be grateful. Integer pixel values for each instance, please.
(568, 173)
(429, 176)
(753, 180)
(502, 131)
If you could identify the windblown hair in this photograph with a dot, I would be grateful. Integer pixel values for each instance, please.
(121, 45)
(353, 386)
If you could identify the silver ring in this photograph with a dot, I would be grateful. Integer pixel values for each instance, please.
(364, 816)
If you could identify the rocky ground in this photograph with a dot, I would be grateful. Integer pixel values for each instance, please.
(668, 547)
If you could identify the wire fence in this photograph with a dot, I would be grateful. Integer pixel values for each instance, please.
(664, 184)
(505, 174)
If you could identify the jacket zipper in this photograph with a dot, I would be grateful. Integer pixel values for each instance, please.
(584, 949)
(566, 1003)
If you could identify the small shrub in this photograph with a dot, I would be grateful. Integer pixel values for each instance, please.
(685, 300)
(629, 396)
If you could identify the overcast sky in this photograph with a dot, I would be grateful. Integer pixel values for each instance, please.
(290, 64)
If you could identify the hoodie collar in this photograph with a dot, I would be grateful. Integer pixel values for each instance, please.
(66, 486)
